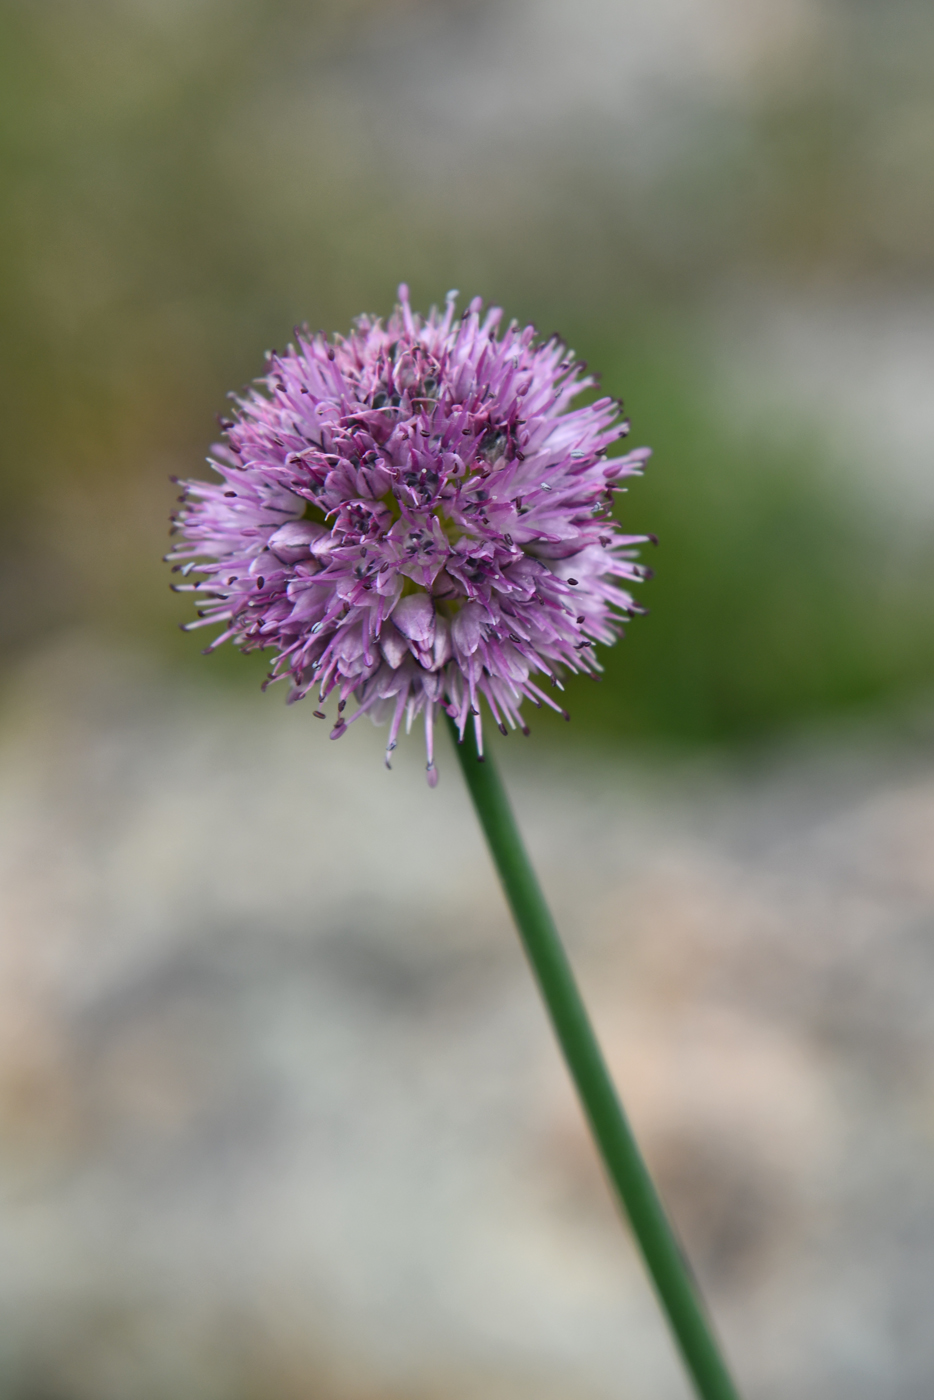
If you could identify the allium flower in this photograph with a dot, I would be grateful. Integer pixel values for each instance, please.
(414, 516)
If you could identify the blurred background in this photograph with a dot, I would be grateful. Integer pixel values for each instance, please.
(279, 1114)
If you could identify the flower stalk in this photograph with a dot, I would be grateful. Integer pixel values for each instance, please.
(670, 1273)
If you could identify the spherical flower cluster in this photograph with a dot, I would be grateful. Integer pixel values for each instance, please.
(415, 517)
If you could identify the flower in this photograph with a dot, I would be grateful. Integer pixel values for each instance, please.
(416, 517)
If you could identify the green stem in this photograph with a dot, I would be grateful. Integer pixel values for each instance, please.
(666, 1264)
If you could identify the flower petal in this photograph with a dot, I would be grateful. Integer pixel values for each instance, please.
(415, 618)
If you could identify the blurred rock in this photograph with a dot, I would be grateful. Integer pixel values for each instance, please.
(861, 365)
(280, 1112)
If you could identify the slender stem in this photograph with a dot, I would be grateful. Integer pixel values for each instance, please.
(664, 1259)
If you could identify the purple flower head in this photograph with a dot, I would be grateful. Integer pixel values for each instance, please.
(415, 516)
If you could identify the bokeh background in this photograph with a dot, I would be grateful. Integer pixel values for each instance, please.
(279, 1116)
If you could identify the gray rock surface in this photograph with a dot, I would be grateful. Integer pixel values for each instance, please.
(280, 1115)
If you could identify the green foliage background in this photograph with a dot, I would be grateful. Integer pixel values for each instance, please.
(184, 183)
